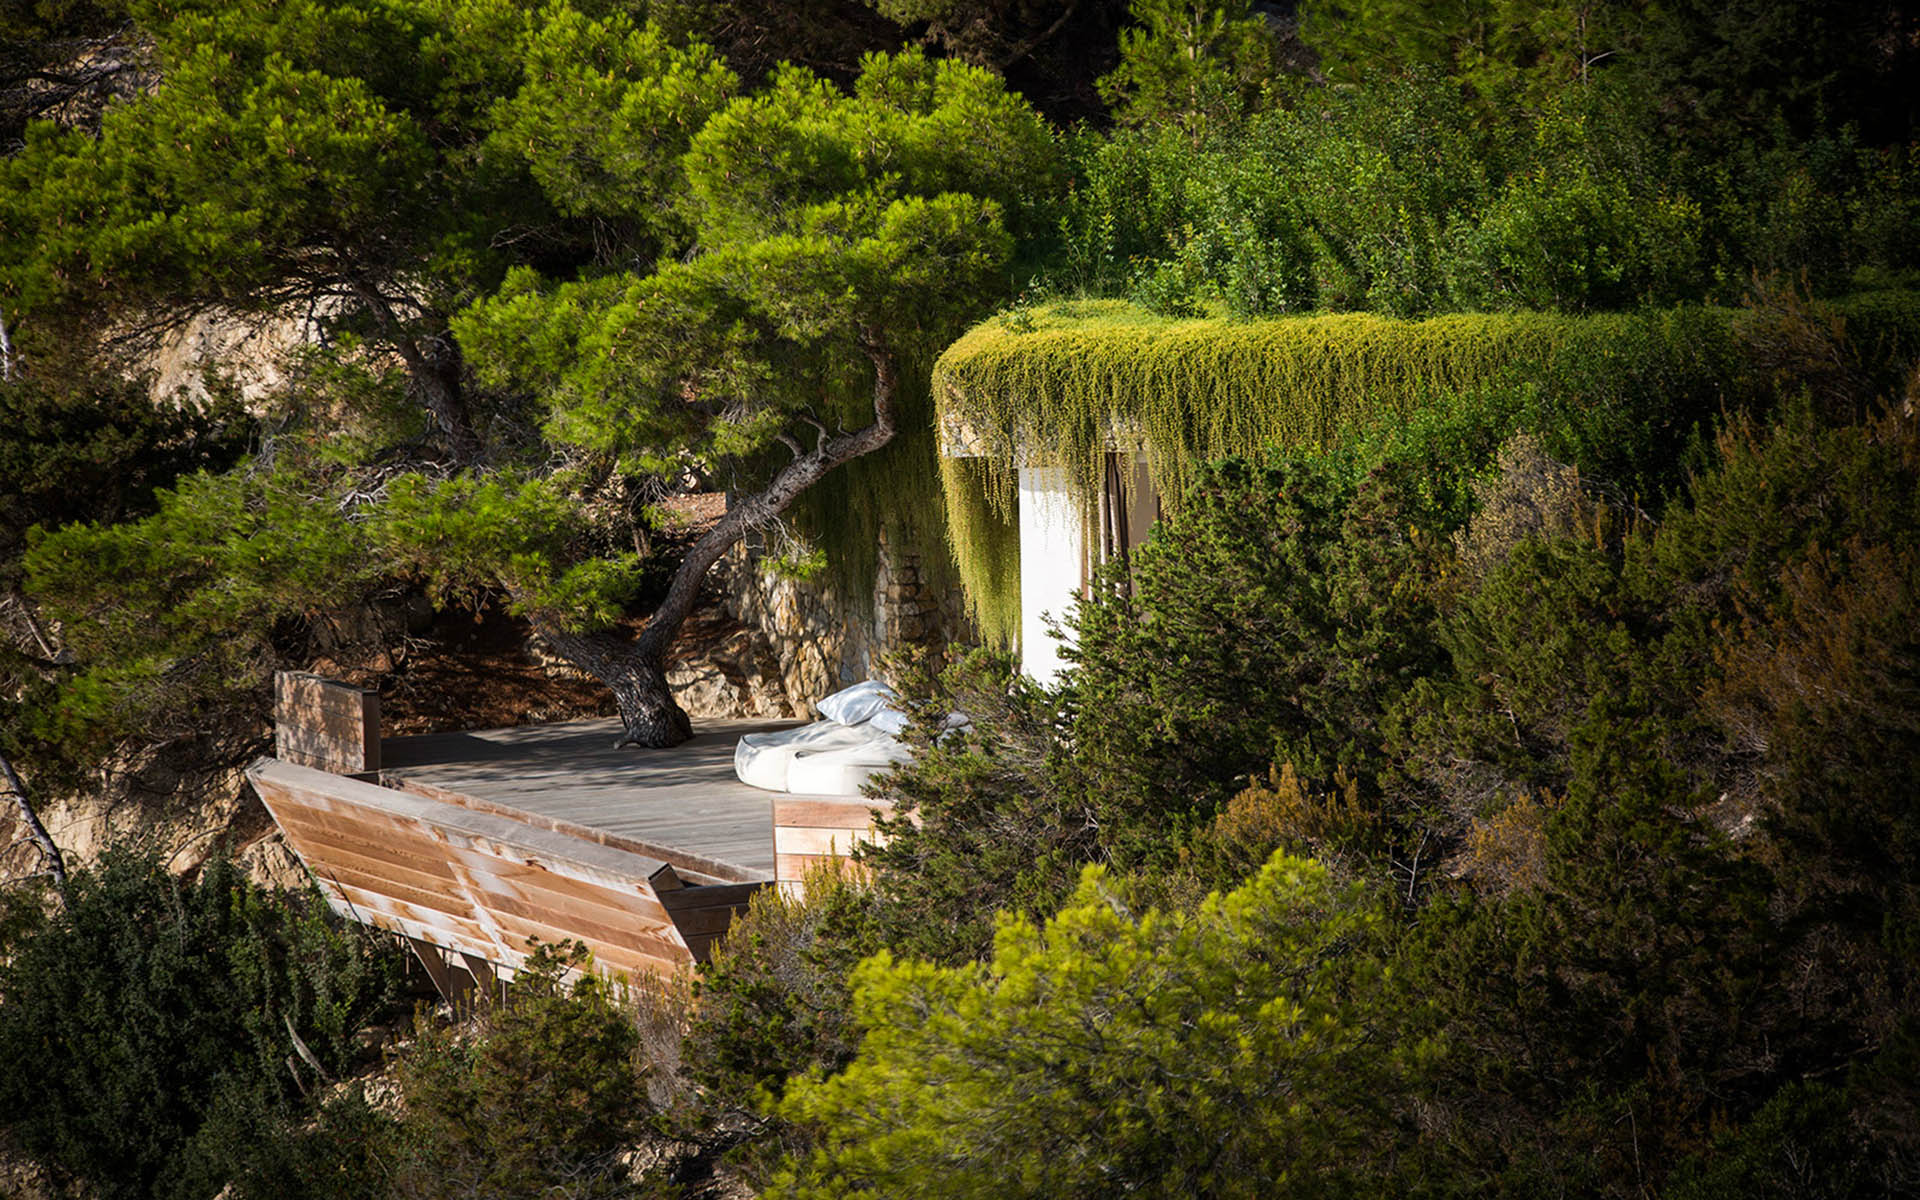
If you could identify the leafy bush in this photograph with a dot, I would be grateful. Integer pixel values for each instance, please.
(1272, 620)
(771, 1003)
(1672, 755)
(1402, 195)
(988, 818)
(1242, 1050)
(154, 1023)
(1577, 240)
(544, 1091)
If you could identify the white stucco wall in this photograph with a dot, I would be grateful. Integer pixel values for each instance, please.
(1053, 554)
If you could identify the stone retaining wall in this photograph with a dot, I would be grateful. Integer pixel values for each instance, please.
(823, 643)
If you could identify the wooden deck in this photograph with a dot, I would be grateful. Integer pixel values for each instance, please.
(682, 805)
(480, 843)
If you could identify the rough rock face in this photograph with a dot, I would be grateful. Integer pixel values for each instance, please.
(734, 675)
(252, 352)
(182, 817)
(821, 643)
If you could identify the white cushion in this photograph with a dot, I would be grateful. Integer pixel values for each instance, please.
(761, 759)
(861, 702)
(842, 772)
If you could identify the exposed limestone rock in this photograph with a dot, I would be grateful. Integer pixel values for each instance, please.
(733, 676)
(183, 819)
(253, 353)
(822, 643)
(269, 863)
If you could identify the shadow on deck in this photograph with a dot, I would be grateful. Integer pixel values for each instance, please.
(682, 805)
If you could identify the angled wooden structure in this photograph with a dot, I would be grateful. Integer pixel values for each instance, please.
(478, 846)
(485, 886)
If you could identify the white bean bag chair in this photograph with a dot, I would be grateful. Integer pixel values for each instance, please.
(858, 704)
(764, 760)
(842, 772)
(833, 757)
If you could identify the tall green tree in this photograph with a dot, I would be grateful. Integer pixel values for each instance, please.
(1187, 63)
(843, 239)
(481, 193)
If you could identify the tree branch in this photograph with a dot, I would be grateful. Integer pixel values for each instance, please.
(1030, 45)
(56, 864)
(796, 477)
(50, 654)
(440, 395)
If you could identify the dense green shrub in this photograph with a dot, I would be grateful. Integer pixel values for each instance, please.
(1402, 196)
(991, 817)
(544, 1091)
(1559, 239)
(1245, 1049)
(1681, 754)
(152, 1024)
(1272, 617)
(1273, 620)
(1803, 1144)
(769, 1007)
(772, 1001)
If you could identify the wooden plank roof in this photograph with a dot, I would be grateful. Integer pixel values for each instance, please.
(484, 884)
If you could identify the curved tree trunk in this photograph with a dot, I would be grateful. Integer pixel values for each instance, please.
(649, 712)
(636, 671)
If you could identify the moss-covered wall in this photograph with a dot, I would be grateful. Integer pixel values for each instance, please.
(1063, 384)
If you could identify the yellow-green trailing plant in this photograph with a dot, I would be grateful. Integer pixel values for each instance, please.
(1064, 384)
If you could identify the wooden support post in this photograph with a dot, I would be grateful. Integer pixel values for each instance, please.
(453, 986)
(485, 982)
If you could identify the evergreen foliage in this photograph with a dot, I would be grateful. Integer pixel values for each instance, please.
(177, 620)
(76, 453)
(1634, 769)
(772, 1002)
(1400, 198)
(1240, 1050)
(1560, 606)
(1188, 64)
(605, 275)
(544, 1091)
(991, 817)
(547, 1092)
(151, 1024)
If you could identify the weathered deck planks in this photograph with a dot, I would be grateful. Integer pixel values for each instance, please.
(683, 805)
(479, 842)
(482, 884)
